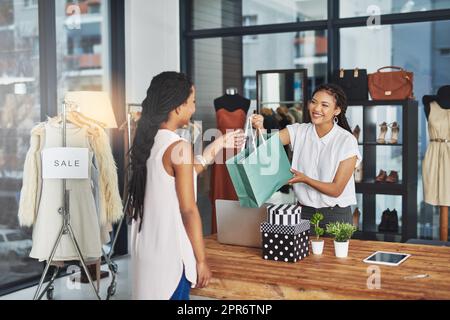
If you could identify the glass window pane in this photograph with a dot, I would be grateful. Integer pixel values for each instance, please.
(230, 13)
(220, 63)
(362, 8)
(19, 112)
(430, 61)
(82, 46)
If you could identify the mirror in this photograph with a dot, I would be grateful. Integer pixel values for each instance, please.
(281, 96)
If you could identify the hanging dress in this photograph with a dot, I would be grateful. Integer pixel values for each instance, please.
(436, 164)
(221, 185)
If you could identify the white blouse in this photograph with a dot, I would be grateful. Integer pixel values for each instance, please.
(319, 159)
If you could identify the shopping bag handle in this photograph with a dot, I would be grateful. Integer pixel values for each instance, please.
(249, 132)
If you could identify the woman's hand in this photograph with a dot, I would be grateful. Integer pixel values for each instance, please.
(258, 121)
(233, 139)
(298, 178)
(203, 275)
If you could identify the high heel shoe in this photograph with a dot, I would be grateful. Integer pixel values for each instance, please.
(382, 137)
(395, 131)
(357, 132)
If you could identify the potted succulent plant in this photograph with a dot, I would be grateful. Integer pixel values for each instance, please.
(317, 244)
(342, 233)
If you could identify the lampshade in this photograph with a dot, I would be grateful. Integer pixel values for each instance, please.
(95, 105)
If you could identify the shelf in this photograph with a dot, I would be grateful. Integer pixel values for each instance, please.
(378, 103)
(373, 235)
(372, 187)
(381, 144)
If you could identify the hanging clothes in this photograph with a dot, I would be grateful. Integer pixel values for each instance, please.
(41, 199)
(436, 164)
(231, 114)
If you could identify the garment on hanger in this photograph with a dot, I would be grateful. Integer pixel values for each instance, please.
(231, 114)
(436, 164)
(41, 199)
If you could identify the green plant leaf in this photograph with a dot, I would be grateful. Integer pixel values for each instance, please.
(342, 232)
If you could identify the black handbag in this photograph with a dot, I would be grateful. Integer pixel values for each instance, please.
(354, 82)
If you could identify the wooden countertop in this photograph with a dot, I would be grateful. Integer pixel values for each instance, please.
(240, 273)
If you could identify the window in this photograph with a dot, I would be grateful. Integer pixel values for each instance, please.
(397, 45)
(16, 236)
(82, 46)
(250, 20)
(19, 111)
(361, 8)
(208, 14)
(250, 87)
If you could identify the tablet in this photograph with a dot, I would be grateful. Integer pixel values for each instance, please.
(387, 258)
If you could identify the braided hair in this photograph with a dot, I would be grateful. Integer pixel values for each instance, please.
(167, 91)
(341, 101)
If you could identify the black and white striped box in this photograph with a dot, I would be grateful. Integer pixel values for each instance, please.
(284, 214)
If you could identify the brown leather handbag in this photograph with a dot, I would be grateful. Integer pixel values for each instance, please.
(394, 85)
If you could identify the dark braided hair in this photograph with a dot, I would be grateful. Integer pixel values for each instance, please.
(341, 102)
(167, 91)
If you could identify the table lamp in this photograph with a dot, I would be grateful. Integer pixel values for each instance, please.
(95, 105)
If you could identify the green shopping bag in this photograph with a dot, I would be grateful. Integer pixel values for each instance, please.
(259, 171)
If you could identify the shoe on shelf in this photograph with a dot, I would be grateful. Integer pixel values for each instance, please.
(381, 176)
(356, 215)
(384, 225)
(395, 128)
(357, 132)
(382, 137)
(393, 221)
(392, 177)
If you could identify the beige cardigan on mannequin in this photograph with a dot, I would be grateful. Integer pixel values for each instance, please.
(111, 209)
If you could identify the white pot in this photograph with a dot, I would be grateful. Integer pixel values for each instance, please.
(341, 249)
(317, 246)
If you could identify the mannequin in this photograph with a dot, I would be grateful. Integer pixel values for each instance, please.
(231, 114)
(232, 101)
(435, 165)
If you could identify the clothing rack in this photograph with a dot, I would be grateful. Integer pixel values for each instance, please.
(127, 176)
(66, 229)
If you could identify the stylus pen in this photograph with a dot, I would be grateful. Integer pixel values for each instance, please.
(419, 276)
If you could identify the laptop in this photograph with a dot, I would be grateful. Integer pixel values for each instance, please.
(239, 226)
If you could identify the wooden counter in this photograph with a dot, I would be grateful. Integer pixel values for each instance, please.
(241, 274)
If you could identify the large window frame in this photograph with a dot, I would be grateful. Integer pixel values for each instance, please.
(49, 101)
(333, 25)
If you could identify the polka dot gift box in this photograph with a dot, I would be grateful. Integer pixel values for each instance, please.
(285, 243)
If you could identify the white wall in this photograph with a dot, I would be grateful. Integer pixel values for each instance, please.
(152, 39)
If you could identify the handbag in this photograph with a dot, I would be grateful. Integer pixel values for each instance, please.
(394, 85)
(354, 83)
(258, 173)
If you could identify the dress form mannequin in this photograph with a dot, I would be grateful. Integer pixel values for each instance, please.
(231, 114)
(443, 101)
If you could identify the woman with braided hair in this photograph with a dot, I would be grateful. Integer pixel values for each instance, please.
(325, 156)
(168, 253)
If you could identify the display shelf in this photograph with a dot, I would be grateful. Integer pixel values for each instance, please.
(407, 187)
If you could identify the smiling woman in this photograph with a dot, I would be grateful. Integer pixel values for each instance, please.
(325, 156)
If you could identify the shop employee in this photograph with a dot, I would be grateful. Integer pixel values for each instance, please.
(325, 155)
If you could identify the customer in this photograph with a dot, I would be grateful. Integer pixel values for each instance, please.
(325, 157)
(168, 253)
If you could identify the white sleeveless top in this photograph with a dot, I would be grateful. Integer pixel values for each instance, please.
(162, 249)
